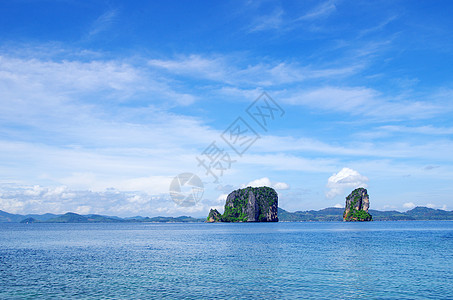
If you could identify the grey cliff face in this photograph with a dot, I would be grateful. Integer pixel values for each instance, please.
(357, 205)
(251, 205)
(363, 202)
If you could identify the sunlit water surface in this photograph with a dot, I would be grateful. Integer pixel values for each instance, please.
(375, 260)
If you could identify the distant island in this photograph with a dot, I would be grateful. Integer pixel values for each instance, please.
(76, 218)
(259, 204)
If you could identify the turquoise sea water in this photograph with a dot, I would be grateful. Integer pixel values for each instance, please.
(375, 260)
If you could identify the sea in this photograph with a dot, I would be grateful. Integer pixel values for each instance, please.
(310, 260)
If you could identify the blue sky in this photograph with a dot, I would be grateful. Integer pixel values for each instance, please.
(104, 102)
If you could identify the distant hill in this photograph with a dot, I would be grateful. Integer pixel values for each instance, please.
(76, 218)
(323, 215)
(181, 219)
(10, 218)
(13, 218)
(326, 214)
(29, 221)
(425, 213)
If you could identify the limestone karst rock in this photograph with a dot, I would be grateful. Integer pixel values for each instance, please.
(214, 216)
(250, 204)
(357, 204)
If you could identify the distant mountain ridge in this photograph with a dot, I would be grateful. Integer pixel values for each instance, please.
(418, 213)
(76, 218)
(15, 218)
(324, 215)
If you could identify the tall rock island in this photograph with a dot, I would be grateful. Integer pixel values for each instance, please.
(248, 205)
(357, 204)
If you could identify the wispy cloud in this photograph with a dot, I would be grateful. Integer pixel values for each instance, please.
(103, 22)
(211, 68)
(379, 27)
(427, 129)
(268, 22)
(90, 107)
(46, 90)
(94, 124)
(366, 102)
(279, 21)
(238, 71)
(320, 11)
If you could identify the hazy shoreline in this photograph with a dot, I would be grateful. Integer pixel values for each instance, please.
(331, 214)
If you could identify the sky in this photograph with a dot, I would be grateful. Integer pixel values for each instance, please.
(104, 103)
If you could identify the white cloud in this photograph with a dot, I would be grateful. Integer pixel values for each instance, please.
(83, 209)
(434, 206)
(55, 191)
(389, 207)
(151, 184)
(345, 179)
(39, 93)
(259, 182)
(265, 181)
(409, 205)
(11, 205)
(338, 205)
(67, 76)
(222, 198)
(137, 199)
(18, 199)
(110, 201)
(87, 145)
(281, 186)
(36, 190)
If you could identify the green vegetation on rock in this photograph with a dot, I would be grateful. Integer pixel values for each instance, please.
(250, 204)
(214, 216)
(234, 214)
(356, 208)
